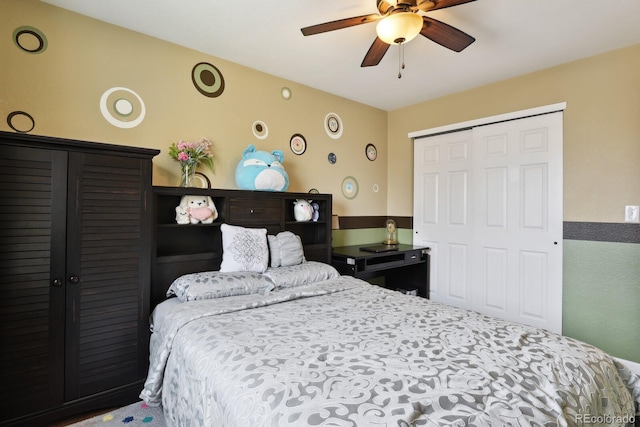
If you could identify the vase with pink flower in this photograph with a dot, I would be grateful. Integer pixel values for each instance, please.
(190, 155)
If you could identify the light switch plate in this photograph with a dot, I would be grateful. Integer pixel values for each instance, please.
(632, 214)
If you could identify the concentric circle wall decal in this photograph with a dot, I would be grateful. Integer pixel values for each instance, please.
(20, 121)
(298, 144)
(260, 129)
(122, 107)
(350, 187)
(333, 125)
(30, 39)
(207, 79)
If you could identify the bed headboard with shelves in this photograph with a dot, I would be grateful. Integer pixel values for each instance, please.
(181, 249)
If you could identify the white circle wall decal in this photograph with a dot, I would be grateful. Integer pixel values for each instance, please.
(123, 96)
(207, 79)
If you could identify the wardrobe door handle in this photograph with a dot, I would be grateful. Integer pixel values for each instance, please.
(56, 282)
(74, 279)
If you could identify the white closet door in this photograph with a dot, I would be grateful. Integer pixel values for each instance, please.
(507, 259)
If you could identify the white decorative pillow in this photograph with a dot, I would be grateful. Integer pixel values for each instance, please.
(285, 249)
(244, 249)
(216, 284)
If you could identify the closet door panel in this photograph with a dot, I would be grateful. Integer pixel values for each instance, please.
(32, 239)
(443, 216)
(105, 277)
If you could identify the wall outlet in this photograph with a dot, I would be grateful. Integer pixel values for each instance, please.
(632, 214)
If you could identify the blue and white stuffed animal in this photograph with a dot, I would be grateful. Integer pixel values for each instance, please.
(261, 170)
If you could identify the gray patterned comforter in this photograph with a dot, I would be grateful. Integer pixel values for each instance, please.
(346, 353)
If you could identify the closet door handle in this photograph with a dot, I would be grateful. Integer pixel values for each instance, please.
(74, 279)
(56, 282)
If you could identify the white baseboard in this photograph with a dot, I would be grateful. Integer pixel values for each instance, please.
(633, 366)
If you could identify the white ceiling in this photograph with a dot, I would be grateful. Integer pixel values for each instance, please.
(513, 37)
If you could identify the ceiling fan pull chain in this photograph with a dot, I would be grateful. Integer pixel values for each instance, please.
(400, 59)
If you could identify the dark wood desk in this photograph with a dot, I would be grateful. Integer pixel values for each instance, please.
(404, 269)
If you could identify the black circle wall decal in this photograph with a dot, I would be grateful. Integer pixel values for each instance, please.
(207, 79)
(14, 121)
(30, 39)
(260, 129)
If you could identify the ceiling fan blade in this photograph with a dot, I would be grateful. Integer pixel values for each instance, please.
(445, 35)
(339, 24)
(427, 5)
(375, 53)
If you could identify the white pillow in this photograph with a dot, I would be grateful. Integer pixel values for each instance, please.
(217, 284)
(244, 249)
(285, 249)
(301, 274)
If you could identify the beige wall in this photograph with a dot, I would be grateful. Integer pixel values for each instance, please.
(601, 132)
(61, 88)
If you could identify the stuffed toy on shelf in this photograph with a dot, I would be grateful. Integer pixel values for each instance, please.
(194, 209)
(261, 170)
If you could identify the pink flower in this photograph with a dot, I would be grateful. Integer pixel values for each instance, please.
(193, 153)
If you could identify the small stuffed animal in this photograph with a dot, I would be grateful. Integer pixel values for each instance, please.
(302, 210)
(261, 170)
(200, 209)
(182, 216)
(316, 211)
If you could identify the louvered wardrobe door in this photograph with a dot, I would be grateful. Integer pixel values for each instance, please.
(32, 253)
(107, 269)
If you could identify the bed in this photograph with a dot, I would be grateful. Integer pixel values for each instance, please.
(301, 345)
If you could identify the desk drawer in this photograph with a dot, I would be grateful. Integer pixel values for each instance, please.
(252, 211)
(412, 257)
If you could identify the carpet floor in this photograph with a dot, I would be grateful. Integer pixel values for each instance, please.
(136, 414)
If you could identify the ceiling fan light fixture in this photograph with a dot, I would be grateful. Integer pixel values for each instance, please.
(399, 27)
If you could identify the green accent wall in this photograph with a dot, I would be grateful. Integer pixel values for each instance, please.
(601, 296)
(367, 236)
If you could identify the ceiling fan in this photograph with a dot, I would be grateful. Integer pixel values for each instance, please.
(399, 24)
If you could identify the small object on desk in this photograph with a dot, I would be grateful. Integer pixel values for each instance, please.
(379, 248)
(392, 233)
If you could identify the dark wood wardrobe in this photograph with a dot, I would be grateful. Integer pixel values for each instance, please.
(75, 232)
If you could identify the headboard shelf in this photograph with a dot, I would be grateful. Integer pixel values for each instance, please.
(182, 249)
(187, 256)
